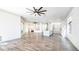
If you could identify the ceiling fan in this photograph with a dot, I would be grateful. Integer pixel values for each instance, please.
(36, 11)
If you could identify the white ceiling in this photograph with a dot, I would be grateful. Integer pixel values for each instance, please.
(54, 14)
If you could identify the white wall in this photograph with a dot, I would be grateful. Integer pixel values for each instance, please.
(9, 26)
(75, 27)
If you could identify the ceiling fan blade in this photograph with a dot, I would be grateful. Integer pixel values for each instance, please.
(34, 14)
(31, 13)
(29, 9)
(43, 11)
(38, 14)
(34, 9)
(40, 8)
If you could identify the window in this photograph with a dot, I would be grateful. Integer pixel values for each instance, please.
(69, 25)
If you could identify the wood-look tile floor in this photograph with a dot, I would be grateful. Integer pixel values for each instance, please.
(37, 42)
